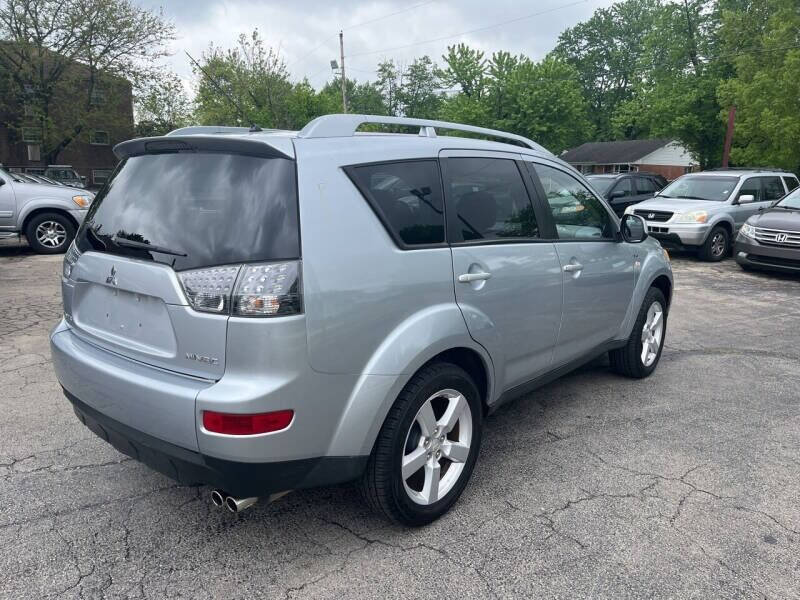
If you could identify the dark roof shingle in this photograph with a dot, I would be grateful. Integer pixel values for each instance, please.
(624, 151)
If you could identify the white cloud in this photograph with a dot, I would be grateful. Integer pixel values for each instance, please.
(306, 31)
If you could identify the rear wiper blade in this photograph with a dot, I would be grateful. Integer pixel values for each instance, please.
(151, 247)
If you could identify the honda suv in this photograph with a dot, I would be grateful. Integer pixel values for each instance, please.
(704, 211)
(262, 311)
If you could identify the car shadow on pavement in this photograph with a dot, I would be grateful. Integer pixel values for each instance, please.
(15, 247)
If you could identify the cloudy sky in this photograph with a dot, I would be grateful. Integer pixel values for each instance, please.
(306, 31)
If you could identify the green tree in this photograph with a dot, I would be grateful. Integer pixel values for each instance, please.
(679, 71)
(419, 95)
(51, 49)
(605, 50)
(389, 83)
(762, 38)
(161, 106)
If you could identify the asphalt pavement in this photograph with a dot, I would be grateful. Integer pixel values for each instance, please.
(683, 485)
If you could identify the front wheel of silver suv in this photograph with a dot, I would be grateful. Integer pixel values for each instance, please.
(427, 447)
(639, 357)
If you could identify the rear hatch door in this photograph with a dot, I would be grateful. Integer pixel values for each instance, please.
(184, 206)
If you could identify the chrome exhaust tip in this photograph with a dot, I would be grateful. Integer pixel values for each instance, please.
(237, 505)
(218, 498)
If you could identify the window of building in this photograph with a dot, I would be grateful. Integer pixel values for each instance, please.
(487, 200)
(622, 168)
(100, 138)
(32, 135)
(97, 96)
(100, 176)
(577, 213)
(407, 197)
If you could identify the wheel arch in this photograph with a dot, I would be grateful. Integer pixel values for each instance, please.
(663, 283)
(47, 209)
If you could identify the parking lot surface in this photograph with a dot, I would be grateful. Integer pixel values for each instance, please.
(684, 485)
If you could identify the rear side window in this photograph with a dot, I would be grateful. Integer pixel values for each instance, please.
(407, 197)
(201, 209)
(791, 183)
(773, 188)
(487, 200)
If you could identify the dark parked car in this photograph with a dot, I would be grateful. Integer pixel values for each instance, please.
(770, 239)
(624, 189)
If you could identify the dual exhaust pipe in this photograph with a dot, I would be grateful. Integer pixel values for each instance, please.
(219, 498)
(235, 505)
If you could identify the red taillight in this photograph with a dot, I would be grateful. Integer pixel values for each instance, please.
(234, 424)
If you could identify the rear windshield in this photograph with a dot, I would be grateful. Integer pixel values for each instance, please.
(198, 209)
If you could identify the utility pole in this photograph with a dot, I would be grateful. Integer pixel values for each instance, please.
(344, 79)
(726, 152)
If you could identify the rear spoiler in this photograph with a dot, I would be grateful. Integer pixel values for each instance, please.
(252, 145)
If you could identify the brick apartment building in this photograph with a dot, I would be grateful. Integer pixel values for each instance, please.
(664, 156)
(110, 121)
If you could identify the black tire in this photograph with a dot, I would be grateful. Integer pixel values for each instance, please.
(716, 246)
(627, 360)
(61, 223)
(382, 484)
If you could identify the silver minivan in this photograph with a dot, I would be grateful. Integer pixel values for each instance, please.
(263, 311)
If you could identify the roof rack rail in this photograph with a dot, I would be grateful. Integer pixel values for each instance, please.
(346, 125)
(771, 169)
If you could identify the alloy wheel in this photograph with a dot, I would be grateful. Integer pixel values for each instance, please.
(718, 244)
(652, 333)
(51, 234)
(437, 447)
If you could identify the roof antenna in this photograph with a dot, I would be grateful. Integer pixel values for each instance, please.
(224, 92)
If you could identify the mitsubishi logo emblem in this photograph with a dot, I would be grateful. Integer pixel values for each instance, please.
(781, 238)
(112, 279)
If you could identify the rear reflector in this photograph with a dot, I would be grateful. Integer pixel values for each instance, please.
(235, 424)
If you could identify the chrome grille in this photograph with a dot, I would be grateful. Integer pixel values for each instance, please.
(654, 215)
(777, 237)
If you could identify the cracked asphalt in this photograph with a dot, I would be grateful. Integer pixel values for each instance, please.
(685, 485)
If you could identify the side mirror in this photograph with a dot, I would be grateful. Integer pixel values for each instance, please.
(746, 199)
(633, 229)
(616, 194)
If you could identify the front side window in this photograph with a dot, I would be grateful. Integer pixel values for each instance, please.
(623, 188)
(100, 138)
(407, 197)
(645, 185)
(577, 213)
(773, 188)
(751, 187)
(487, 200)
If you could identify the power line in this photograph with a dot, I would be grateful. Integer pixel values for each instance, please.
(389, 15)
(448, 37)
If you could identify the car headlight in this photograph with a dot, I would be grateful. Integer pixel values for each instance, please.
(697, 216)
(629, 209)
(748, 230)
(82, 200)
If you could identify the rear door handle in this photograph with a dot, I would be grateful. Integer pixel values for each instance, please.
(468, 277)
(573, 267)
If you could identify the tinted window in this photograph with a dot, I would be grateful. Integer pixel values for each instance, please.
(645, 185)
(751, 187)
(215, 208)
(601, 184)
(773, 188)
(576, 212)
(407, 196)
(488, 199)
(624, 186)
(791, 183)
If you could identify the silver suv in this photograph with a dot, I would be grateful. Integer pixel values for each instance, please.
(704, 211)
(267, 311)
(48, 215)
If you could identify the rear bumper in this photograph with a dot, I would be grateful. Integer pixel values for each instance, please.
(760, 256)
(237, 478)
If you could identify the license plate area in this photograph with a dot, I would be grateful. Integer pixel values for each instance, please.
(131, 320)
